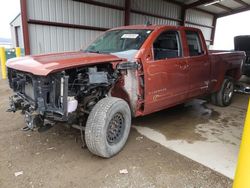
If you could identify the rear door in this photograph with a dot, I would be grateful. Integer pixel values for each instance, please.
(167, 76)
(198, 61)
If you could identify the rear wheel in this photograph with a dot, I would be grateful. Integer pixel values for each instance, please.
(108, 127)
(224, 96)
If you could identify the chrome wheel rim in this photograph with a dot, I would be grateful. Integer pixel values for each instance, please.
(228, 92)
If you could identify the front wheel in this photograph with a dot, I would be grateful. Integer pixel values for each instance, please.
(108, 127)
(224, 96)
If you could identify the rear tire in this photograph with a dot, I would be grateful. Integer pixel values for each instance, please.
(224, 96)
(108, 127)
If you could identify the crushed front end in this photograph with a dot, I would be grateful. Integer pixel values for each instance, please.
(66, 96)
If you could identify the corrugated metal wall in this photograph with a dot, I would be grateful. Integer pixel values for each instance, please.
(72, 12)
(169, 10)
(198, 17)
(44, 39)
(142, 19)
(157, 7)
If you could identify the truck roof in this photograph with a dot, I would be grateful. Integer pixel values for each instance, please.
(154, 27)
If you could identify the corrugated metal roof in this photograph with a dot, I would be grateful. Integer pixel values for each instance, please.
(218, 7)
(212, 9)
(231, 4)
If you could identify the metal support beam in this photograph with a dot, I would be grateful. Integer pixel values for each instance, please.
(97, 3)
(198, 3)
(243, 3)
(66, 25)
(204, 11)
(127, 12)
(183, 16)
(235, 11)
(213, 30)
(201, 25)
(25, 27)
(174, 2)
(154, 15)
(223, 7)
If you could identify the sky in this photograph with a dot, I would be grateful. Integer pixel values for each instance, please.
(230, 26)
(8, 11)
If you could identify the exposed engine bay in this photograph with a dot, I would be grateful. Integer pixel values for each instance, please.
(66, 96)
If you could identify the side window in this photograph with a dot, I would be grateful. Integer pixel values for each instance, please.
(167, 45)
(194, 43)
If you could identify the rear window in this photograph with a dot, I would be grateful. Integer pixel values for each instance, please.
(194, 43)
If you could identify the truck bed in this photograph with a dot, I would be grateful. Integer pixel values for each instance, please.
(222, 61)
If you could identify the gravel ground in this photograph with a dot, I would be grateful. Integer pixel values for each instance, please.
(55, 159)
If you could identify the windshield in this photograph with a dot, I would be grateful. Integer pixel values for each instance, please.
(119, 41)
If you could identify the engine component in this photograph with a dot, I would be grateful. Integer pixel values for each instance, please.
(33, 120)
(72, 104)
(128, 66)
(67, 96)
(98, 78)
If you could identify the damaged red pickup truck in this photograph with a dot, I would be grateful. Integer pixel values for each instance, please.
(127, 72)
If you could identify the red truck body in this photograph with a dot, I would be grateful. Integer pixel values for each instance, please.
(171, 66)
(167, 82)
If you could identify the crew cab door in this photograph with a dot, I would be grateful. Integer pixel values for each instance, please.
(198, 61)
(166, 76)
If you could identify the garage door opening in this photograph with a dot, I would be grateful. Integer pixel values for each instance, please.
(230, 26)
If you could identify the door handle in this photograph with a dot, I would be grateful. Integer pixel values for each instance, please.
(182, 65)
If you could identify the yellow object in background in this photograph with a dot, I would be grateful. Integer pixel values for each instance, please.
(3, 62)
(18, 52)
(242, 175)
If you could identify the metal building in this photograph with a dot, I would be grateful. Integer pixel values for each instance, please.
(68, 25)
(16, 32)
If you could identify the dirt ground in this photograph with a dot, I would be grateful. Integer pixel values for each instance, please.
(55, 159)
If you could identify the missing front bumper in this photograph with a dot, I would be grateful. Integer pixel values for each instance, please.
(39, 108)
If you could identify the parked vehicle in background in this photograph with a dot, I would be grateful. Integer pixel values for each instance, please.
(127, 72)
(242, 43)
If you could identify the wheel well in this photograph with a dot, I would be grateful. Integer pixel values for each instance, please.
(119, 92)
(232, 73)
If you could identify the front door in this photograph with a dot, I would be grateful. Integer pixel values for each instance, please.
(166, 77)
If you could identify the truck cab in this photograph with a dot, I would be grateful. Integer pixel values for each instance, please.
(179, 57)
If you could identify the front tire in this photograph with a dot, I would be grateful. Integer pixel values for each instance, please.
(108, 127)
(224, 96)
